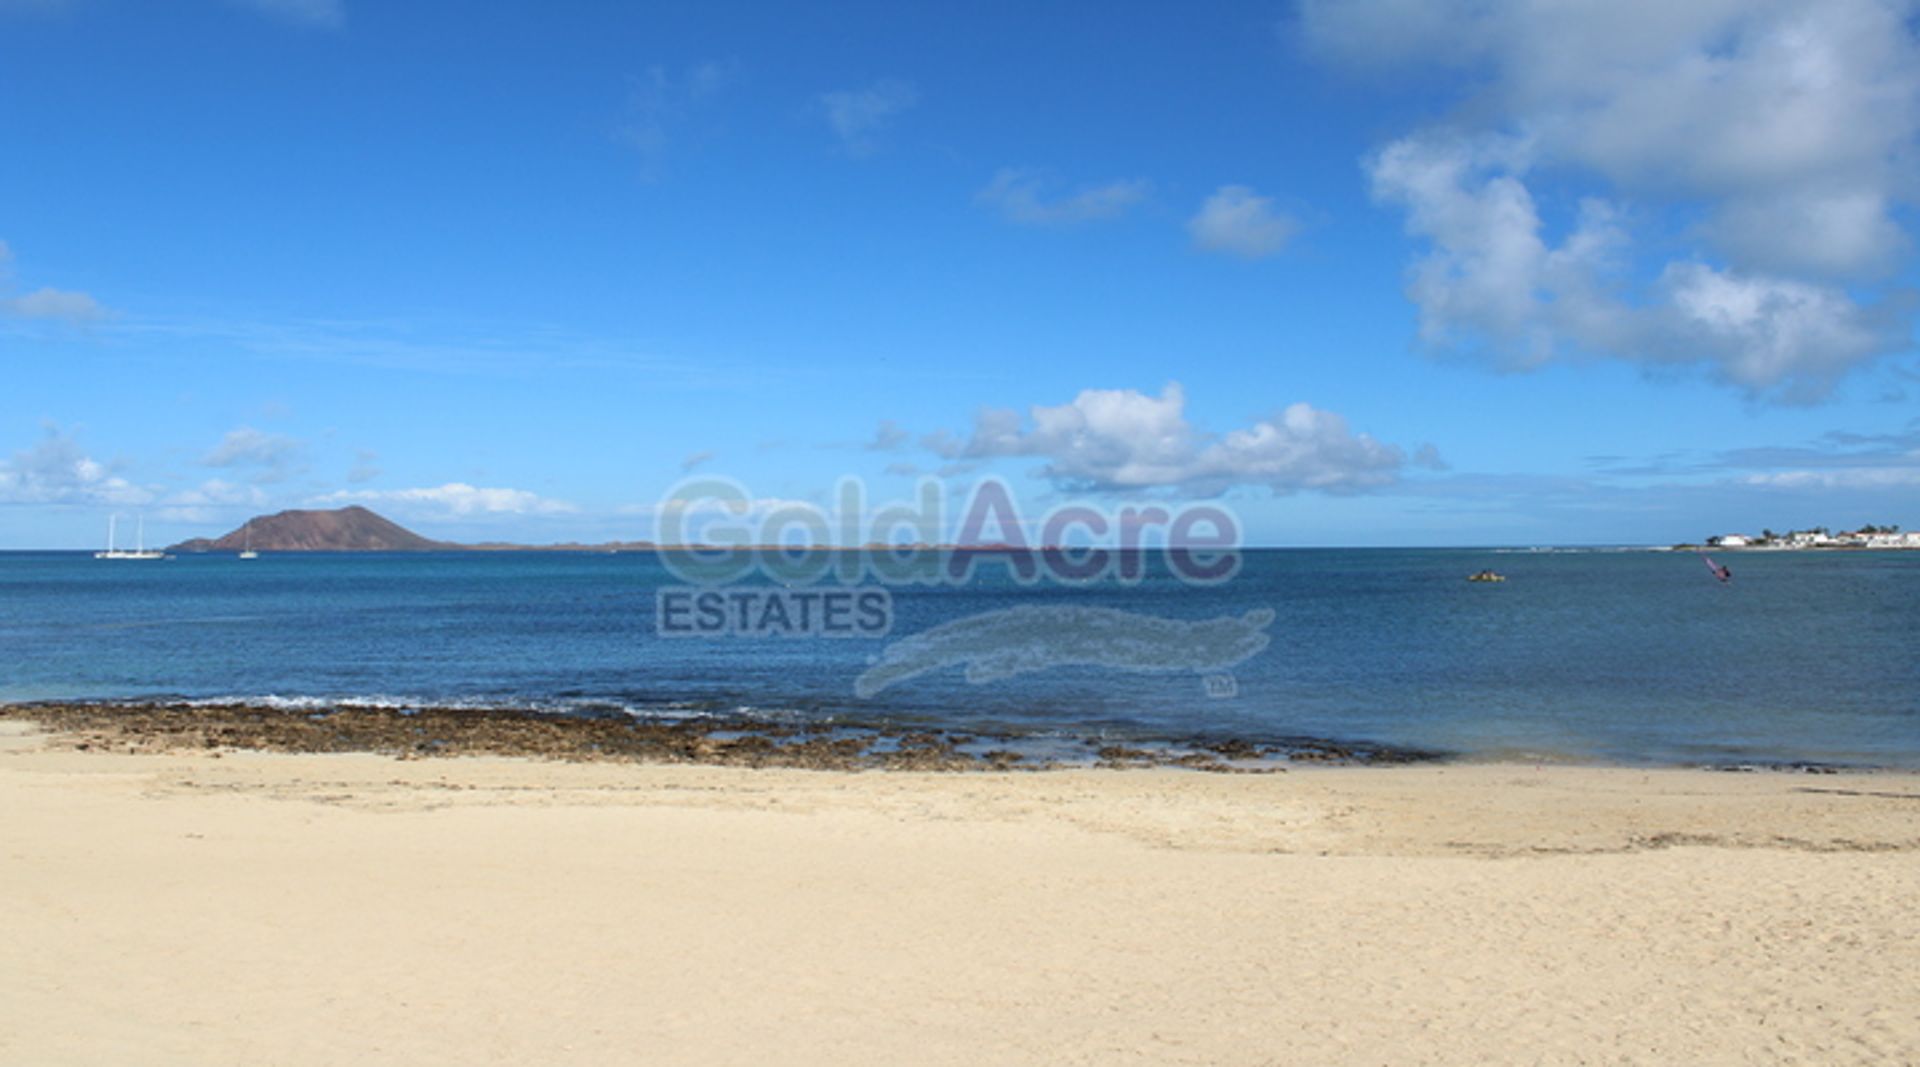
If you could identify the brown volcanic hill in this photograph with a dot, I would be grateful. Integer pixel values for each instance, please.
(353, 529)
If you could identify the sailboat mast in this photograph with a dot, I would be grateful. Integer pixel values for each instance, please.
(114, 551)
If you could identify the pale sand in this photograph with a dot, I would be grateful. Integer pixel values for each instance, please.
(256, 909)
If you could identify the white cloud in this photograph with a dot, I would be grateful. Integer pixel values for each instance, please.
(664, 103)
(1847, 478)
(1784, 129)
(273, 456)
(1119, 439)
(210, 501)
(1492, 281)
(1763, 331)
(456, 499)
(1237, 221)
(1027, 196)
(889, 436)
(62, 305)
(58, 471)
(1490, 274)
(1840, 460)
(858, 116)
(1830, 235)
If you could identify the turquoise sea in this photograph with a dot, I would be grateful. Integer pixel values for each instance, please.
(1594, 655)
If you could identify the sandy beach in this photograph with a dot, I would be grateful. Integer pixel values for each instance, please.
(234, 907)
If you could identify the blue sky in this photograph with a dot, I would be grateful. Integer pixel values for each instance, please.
(1370, 273)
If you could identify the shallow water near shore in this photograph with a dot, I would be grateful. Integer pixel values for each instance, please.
(1607, 656)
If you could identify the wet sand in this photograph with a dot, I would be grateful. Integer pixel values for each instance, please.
(183, 905)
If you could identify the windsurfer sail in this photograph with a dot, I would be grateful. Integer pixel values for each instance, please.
(1725, 574)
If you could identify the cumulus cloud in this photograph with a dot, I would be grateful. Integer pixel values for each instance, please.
(1031, 197)
(1490, 274)
(1122, 439)
(272, 457)
(58, 471)
(323, 14)
(1492, 278)
(1238, 222)
(456, 499)
(1774, 138)
(1762, 331)
(858, 116)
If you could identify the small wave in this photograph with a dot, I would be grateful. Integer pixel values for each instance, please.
(651, 710)
(1577, 550)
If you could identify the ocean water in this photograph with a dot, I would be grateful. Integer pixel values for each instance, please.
(1612, 656)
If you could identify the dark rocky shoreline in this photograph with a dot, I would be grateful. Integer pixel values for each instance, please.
(446, 732)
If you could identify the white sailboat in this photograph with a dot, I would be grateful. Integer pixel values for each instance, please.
(139, 551)
(248, 552)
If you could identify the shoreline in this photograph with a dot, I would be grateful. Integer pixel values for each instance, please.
(428, 731)
(231, 907)
(1483, 809)
(731, 741)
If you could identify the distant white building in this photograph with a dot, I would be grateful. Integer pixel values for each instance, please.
(1819, 539)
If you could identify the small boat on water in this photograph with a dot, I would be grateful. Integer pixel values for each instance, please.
(248, 552)
(1486, 576)
(139, 551)
(1720, 571)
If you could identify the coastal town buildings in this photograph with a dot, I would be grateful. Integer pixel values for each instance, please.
(1867, 537)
